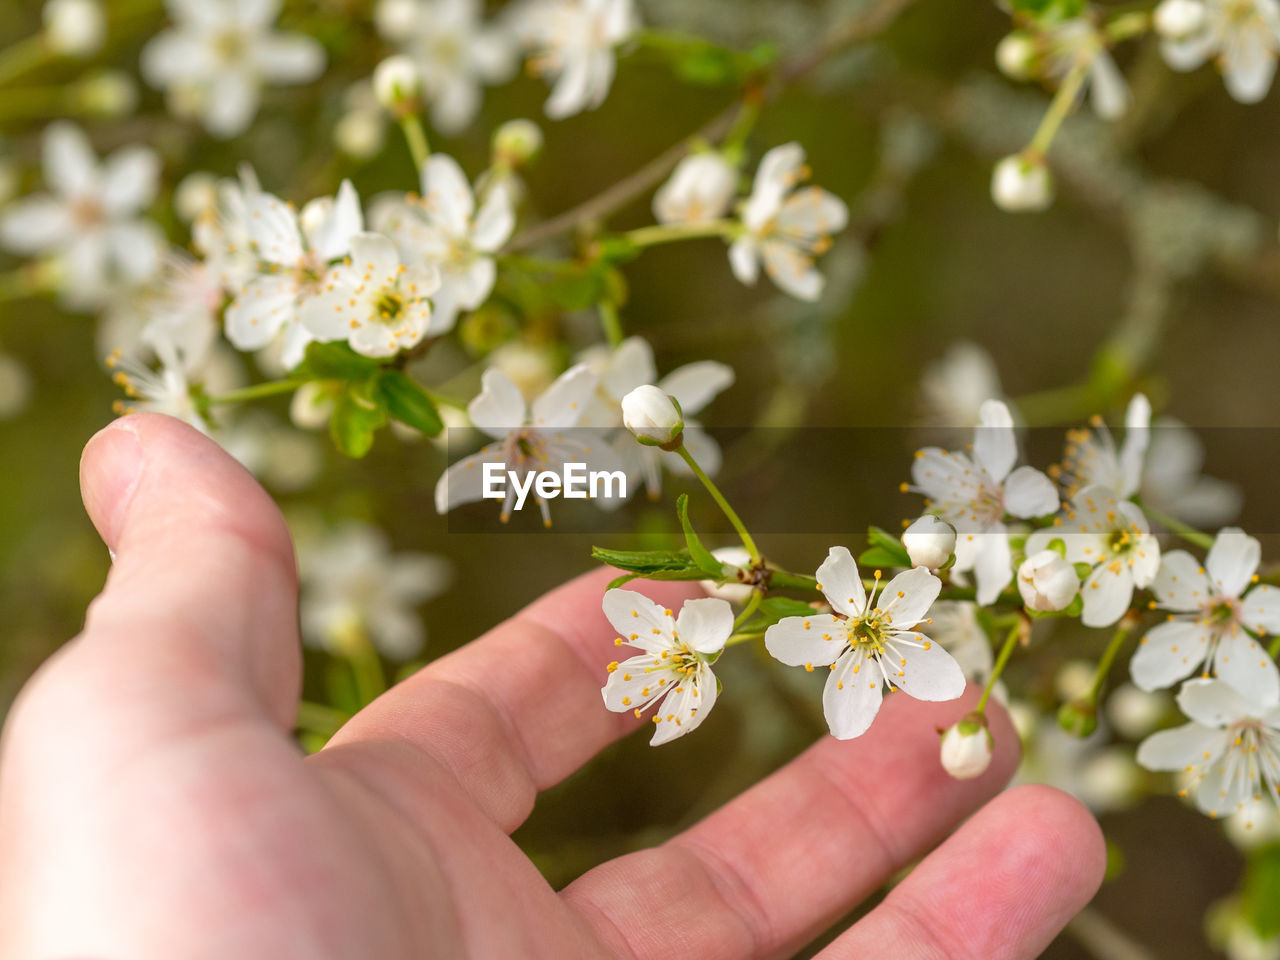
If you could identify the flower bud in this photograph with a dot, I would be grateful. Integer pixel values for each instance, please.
(1047, 581)
(1079, 718)
(930, 541)
(653, 417)
(730, 590)
(700, 189)
(517, 142)
(74, 28)
(397, 83)
(1177, 19)
(1020, 184)
(966, 748)
(360, 133)
(1016, 56)
(396, 20)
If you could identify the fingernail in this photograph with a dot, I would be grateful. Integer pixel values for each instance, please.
(109, 472)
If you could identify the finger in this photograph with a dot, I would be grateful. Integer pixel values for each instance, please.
(514, 712)
(783, 861)
(1000, 889)
(200, 605)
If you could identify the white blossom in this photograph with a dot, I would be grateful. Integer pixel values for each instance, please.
(1047, 581)
(1020, 184)
(397, 83)
(1111, 536)
(1242, 36)
(699, 190)
(974, 494)
(954, 387)
(651, 415)
(1212, 611)
(1172, 481)
(1093, 458)
(445, 231)
(293, 252)
(533, 437)
(219, 54)
(868, 641)
(355, 588)
(91, 219)
(373, 301)
(572, 43)
(786, 228)
(166, 388)
(675, 663)
(1228, 752)
(966, 749)
(929, 541)
(455, 54)
(1079, 41)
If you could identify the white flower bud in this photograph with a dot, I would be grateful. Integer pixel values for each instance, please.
(517, 142)
(360, 133)
(1047, 581)
(1016, 56)
(1178, 19)
(699, 189)
(653, 417)
(397, 83)
(195, 196)
(966, 749)
(396, 20)
(74, 28)
(930, 541)
(731, 591)
(1019, 185)
(1135, 713)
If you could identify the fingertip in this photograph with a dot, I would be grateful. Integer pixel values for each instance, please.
(1054, 822)
(110, 468)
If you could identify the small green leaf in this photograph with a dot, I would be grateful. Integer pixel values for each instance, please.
(701, 555)
(773, 609)
(1260, 892)
(409, 403)
(891, 545)
(647, 562)
(335, 361)
(356, 418)
(878, 558)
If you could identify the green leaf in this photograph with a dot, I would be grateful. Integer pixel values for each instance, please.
(357, 416)
(409, 403)
(773, 609)
(891, 545)
(581, 288)
(701, 555)
(878, 558)
(335, 361)
(1260, 892)
(650, 562)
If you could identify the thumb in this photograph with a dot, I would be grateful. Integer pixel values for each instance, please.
(203, 583)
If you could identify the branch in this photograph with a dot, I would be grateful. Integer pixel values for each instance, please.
(880, 14)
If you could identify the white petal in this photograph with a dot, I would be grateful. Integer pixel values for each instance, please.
(495, 221)
(1260, 609)
(908, 597)
(130, 180)
(811, 213)
(1137, 438)
(793, 271)
(850, 701)
(685, 707)
(797, 641)
(633, 684)
(744, 260)
(464, 481)
(1188, 53)
(499, 407)
(1213, 703)
(289, 58)
(231, 104)
(926, 672)
(1232, 560)
(1180, 583)
(566, 399)
(696, 384)
(1169, 652)
(273, 228)
(35, 224)
(638, 619)
(992, 563)
(176, 55)
(1248, 65)
(1241, 662)
(1106, 593)
(70, 165)
(260, 310)
(994, 446)
(704, 625)
(630, 366)
(1107, 88)
(446, 194)
(840, 582)
(377, 257)
(1181, 747)
(332, 237)
(1029, 493)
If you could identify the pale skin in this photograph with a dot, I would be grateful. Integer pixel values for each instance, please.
(153, 803)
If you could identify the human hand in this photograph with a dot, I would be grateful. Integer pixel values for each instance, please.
(154, 805)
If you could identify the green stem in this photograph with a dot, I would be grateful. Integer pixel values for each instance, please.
(743, 123)
(258, 391)
(1108, 657)
(1175, 526)
(416, 137)
(722, 503)
(786, 580)
(746, 637)
(1063, 101)
(319, 718)
(670, 233)
(23, 57)
(1002, 660)
(366, 665)
(611, 322)
(749, 609)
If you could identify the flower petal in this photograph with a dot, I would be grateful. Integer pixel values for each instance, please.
(685, 707)
(1169, 652)
(926, 672)
(1180, 583)
(1029, 493)
(840, 582)
(566, 400)
(696, 384)
(1213, 703)
(704, 625)
(1232, 560)
(852, 695)
(1241, 662)
(797, 641)
(1106, 593)
(464, 481)
(908, 597)
(1181, 747)
(446, 194)
(994, 446)
(638, 619)
(1260, 609)
(992, 563)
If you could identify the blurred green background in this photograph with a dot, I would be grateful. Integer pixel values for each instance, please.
(1164, 229)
